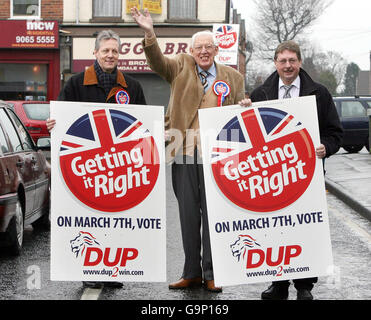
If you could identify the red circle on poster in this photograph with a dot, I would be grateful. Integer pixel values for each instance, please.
(226, 36)
(109, 161)
(263, 160)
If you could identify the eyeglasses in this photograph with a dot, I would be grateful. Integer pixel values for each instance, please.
(207, 47)
(284, 61)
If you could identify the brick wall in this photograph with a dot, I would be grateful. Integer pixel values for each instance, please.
(4, 9)
(50, 9)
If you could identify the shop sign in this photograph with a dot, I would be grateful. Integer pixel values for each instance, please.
(153, 6)
(29, 34)
(132, 57)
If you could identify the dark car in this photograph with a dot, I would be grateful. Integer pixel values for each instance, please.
(353, 116)
(33, 114)
(24, 181)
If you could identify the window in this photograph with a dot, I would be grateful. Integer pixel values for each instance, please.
(25, 8)
(23, 134)
(352, 109)
(3, 143)
(23, 81)
(10, 130)
(37, 111)
(182, 9)
(106, 8)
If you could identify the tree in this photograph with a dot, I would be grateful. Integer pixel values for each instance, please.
(282, 20)
(327, 78)
(310, 67)
(350, 79)
(327, 68)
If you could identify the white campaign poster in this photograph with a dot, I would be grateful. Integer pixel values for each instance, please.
(108, 219)
(265, 192)
(227, 36)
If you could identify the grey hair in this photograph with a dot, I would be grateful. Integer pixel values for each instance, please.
(201, 33)
(106, 35)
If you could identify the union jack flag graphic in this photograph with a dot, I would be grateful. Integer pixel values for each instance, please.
(263, 159)
(254, 127)
(114, 127)
(223, 30)
(226, 36)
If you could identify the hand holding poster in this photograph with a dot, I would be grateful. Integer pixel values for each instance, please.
(265, 192)
(107, 176)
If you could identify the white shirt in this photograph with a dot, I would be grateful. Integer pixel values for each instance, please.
(294, 91)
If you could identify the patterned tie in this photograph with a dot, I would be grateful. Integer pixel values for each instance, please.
(287, 94)
(204, 75)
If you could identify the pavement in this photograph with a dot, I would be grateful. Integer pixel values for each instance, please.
(348, 177)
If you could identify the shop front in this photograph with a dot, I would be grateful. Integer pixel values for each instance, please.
(133, 62)
(29, 60)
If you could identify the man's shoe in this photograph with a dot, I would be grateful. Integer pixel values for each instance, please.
(92, 284)
(210, 286)
(113, 284)
(186, 283)
(304, 294)
(276, 292)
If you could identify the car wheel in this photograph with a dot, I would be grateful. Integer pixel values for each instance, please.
(16, 230)
(367, 145)
(353, 149)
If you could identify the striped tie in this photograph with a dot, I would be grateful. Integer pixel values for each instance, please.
(204, 75)
(287, 94)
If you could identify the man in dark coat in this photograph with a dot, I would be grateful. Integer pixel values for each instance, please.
(102, 82)
(97, 84)
(289, 81)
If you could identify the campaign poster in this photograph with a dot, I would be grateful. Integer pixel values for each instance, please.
(227, 36)
(108, 206)
(265, 192)
(153, 6)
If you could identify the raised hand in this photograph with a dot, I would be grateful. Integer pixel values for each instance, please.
(143, 20)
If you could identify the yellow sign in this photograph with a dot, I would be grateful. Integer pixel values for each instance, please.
(130, 4)
(153, 6)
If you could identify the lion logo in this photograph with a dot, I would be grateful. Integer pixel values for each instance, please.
(83, 240)
(241, 245)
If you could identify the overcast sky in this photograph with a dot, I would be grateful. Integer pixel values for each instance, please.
(344, 27)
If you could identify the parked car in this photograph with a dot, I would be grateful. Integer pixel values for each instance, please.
(24, 181)
(353, 116)
(33, 114)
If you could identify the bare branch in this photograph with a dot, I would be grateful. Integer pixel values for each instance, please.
(280, 20)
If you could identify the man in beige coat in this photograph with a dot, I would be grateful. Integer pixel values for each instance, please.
(192, 78)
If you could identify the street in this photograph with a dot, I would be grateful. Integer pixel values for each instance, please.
(27, 277)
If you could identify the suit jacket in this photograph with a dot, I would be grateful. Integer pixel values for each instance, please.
(186, 92)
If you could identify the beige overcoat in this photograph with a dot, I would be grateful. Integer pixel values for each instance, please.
(186, 90)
